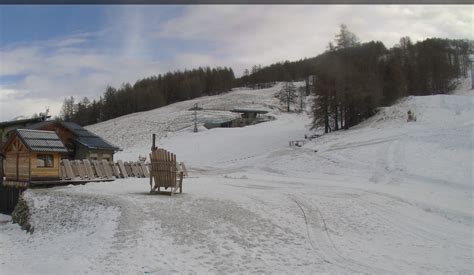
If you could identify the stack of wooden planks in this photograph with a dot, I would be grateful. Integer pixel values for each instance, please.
(93, 170)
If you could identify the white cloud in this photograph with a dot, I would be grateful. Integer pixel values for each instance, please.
(73, 40)
(265, 34)
(6, 94)
(18, 60)
(14, 104)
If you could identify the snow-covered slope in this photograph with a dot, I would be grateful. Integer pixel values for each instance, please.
(384, 197)
(135, 130)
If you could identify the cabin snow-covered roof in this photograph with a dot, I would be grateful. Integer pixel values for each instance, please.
(41, 141)
(83, 136)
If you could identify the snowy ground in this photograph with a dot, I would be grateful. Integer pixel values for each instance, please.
(386, 196)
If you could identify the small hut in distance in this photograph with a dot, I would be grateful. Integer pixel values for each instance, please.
(249, 117)
(220, 123)
(32, 155)
(8, 127)
(246, 117)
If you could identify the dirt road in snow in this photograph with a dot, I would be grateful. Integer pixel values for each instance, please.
(241, 222)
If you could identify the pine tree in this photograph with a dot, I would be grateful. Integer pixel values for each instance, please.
(68, 109)
(302, 94)
(321, 90)
(287, 94)
(345, 39)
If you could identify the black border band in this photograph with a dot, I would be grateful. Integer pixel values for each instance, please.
(238, 2)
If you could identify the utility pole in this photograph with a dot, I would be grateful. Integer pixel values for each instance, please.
(302, 93)
(195, 117)
(472, 73)
(153, 146)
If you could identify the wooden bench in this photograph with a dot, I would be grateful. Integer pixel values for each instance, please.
(164, 172)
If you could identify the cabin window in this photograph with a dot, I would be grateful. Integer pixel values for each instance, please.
(44, 161)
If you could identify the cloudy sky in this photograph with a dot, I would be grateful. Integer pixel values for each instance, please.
(50, 52)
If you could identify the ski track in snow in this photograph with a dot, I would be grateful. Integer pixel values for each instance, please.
(384, 197)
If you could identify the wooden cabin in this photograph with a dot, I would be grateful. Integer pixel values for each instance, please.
(80, 143)
(32, 155)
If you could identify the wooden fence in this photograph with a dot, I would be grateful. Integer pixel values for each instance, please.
(94, 170)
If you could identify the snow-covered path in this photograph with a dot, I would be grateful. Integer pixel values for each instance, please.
(386, 196)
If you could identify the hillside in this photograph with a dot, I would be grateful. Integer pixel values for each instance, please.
(174, 125)
(386, 196)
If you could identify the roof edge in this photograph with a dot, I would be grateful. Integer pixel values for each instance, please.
(112, 148)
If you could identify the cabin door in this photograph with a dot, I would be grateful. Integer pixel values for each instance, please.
(17, 166)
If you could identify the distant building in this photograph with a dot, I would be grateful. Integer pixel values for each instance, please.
(246, 117)
(8, 127)
(249, 117)
(219, 123)
(80, 143)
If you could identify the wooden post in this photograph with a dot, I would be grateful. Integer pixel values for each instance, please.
(69, 171)
(90, 171)
(151, 174)
(153, 146)
(123, 171)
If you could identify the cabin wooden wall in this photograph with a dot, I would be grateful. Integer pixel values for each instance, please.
(43, 173)
(85, 153)
(10, 167)
(23, 166)
(17, 166)
(81, 152)
(17, 161)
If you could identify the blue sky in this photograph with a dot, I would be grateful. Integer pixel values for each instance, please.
(50, 52)
(30, 23)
